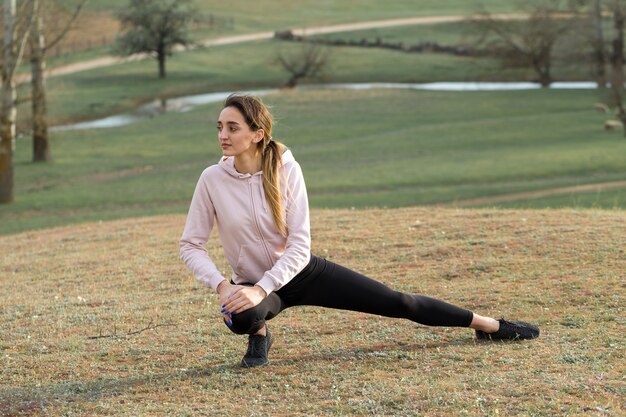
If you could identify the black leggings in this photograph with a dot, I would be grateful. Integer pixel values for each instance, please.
(325, 284)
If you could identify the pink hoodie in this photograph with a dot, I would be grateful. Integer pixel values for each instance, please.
(255, 250)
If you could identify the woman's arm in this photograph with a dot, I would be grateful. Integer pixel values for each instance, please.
(198, 227)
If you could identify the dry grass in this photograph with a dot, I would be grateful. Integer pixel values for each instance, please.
(561, 269)
(88, 31)
(92, 27)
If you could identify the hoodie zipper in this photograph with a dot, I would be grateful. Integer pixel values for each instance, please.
(256, 222)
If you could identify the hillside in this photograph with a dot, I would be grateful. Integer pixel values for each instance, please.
(158, 347)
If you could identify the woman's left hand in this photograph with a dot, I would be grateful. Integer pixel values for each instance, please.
(243, 298)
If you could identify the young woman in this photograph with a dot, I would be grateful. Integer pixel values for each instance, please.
(256, 197)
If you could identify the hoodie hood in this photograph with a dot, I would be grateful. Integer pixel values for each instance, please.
(228, 164)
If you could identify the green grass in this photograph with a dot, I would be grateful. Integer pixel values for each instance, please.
(66, 59)
(250, 17)
(611, 198)
(277, 14)
(379, 148)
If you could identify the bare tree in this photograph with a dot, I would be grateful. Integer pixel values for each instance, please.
(155, 27)
(585, 45)
(528, 42)
(307, 62)
(15, 36)
(38, 50)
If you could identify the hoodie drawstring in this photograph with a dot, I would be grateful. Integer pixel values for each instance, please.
(263, 200)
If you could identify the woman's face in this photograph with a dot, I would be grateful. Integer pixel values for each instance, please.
(234, 135)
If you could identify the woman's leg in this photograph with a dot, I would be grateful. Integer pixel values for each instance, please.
(326, 284)
(337, 287)
(485, 324)
(252, 321)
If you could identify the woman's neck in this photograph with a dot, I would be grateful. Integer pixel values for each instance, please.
(248, 164)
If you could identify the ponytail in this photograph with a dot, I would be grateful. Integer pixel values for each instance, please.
(271, 161)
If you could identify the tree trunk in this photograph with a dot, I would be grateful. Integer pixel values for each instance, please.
(617, 55)
(599, 55)
(7, 143)
(8, 112)
(293, 81)
(541, 66)
(545, 79)
(617, 61)
(41, 145)
(161, 58)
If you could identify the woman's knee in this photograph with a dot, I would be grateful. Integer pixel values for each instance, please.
(246, 322)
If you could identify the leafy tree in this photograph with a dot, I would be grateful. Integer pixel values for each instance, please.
(155, 27)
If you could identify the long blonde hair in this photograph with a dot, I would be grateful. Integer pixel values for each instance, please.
(258, 116)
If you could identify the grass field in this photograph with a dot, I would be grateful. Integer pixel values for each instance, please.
(97, 24)
(560, 269)
(379, 148)
(280, 14)
(100, 92)
(104, 91)
(96, 93)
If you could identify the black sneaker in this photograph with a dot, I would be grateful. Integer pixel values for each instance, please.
(511, 330)
(258, 348)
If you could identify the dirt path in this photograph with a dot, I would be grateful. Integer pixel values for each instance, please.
(534, 194)
(251, 37)
(408, 21)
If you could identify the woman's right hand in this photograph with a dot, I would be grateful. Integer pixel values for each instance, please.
(224, 289)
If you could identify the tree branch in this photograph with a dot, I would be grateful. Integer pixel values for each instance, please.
(67, 27)
(23, 100)
(22, 38)
(150, 326)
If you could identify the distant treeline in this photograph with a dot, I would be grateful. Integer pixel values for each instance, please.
(428, 46)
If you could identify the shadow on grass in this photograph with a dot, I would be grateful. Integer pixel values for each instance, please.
(372, 352)
(26, 400)
(20, 401)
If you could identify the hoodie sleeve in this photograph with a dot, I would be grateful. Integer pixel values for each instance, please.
(298, 248)
(200, 221)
